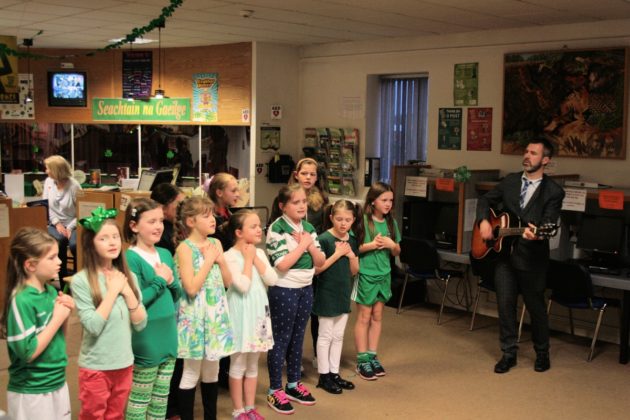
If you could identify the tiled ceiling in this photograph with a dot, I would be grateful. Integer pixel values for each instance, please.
(91, 23)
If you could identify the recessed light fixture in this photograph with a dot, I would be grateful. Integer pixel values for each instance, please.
(138, 41)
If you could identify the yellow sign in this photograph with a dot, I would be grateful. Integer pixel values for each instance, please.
(9, 82)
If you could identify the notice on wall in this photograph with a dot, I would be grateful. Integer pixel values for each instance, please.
(9, 87)
(4, 221)
(611, 200)
(416, 186)
(137, 74)
(205, 97)
(479, 129)
(22, 110)
(445, 184)
(574, 199)
(450, 129)
(465, 90)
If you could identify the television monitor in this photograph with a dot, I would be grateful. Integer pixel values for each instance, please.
(601, 234)
(149, 178)
(67, 88)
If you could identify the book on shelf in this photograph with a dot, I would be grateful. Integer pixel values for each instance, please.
(334, 185)
(347, 187)
(310, 137)
(348, 156)
(335, 136)
(350, 136)
(323, 137)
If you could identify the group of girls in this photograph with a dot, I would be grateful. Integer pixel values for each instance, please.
(143, 308)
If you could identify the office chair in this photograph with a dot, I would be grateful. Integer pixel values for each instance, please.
(571, 286)
(485, 271)
(422, 261)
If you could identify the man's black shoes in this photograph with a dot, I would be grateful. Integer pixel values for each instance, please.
(542, 362)
(505, 364)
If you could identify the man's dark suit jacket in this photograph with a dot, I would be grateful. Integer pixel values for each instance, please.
(543, 207)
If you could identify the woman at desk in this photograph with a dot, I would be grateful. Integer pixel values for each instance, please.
(60, 189)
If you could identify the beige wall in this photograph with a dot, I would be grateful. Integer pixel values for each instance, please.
(275, 72)
(330, 73)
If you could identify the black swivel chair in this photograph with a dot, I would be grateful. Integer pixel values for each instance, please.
(422, 261)
(485, 271)
(571, 286)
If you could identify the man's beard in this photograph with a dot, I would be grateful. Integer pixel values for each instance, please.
(532, 169)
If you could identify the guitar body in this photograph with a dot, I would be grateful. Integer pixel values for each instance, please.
(480, 247)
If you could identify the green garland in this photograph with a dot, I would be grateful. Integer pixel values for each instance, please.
(129, 38)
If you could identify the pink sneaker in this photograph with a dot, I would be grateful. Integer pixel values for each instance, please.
(300, 394)
(253, 414)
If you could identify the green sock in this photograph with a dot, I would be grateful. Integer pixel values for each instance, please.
(271, 391)
(292, 385)
(363, 357)
(371, 354)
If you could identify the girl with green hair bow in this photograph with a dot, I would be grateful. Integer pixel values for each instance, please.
(109, 305)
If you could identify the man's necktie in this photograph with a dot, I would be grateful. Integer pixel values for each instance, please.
(524, 188)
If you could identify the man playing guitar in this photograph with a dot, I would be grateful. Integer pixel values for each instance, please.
(535, 199)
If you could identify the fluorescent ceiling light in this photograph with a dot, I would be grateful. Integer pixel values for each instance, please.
(138, 41)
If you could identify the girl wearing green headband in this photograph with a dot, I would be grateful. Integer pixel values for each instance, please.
(109, 306)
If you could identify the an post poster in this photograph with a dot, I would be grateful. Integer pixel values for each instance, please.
(465, 90)
(9, 83)
(137, 74)
(205, 97)
(479, 129)
(450, 129)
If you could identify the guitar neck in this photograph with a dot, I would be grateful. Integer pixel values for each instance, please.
(514, 231)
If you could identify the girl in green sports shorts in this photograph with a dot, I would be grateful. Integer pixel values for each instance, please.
(374, 286)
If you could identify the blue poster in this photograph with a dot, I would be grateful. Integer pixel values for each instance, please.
(205, 97)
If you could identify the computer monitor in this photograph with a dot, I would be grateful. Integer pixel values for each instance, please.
(149, 178)
(432, 220)
(601, 234)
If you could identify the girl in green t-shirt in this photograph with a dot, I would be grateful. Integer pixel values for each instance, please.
(374, 286)
(33, 322)
(332, 297)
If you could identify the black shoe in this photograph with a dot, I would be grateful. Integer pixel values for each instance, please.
(365, 371)
(327, 383)
(542, 362)
(341, 382)
(505, 364)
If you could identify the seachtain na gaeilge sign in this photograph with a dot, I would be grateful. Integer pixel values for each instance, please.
(118, 109)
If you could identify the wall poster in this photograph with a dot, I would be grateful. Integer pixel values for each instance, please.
(450, 129)
(9, 89)
(479, 129)
(574, 98)
(466, 85)
(205, 97)
(137, 74)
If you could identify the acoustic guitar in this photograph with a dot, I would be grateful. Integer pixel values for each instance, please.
(500, 229)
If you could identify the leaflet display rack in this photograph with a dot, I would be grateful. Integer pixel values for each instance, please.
(336, 151)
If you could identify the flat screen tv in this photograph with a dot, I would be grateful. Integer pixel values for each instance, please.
(67, 88)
